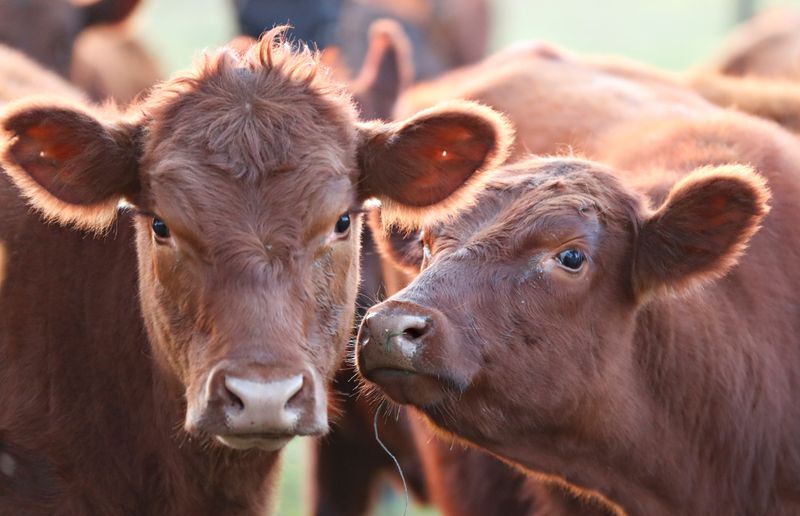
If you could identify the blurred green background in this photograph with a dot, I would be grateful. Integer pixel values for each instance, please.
(673, 34)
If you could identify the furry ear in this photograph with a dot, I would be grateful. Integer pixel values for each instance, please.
(72, 167)
(701, 229)
(402, 248)
(388, 69)
(418, 164)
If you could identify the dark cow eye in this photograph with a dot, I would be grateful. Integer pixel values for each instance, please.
(571, 259)
(343, 224)
(159, 228)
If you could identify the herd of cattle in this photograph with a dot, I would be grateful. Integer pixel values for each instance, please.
(590, 303)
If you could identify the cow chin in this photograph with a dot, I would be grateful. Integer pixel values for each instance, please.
(245, 442)
(409, 387)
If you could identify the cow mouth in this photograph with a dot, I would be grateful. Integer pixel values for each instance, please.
(262, 441)
(410, 387)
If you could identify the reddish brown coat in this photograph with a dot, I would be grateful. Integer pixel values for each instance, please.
(135, 358)
(659, 372)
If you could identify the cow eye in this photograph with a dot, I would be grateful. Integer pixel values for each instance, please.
(571, 259)
(160, 228)
(343, 224)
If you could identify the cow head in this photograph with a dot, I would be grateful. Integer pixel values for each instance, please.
(246, 179)
(523, 315)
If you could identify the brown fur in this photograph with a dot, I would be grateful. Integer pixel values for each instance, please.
(110, 62)
(528, 76)
(660, 375)
(758, 69)
(21, 77)
(45, 30)
(87, 43)
(521, 81)
(110, 342)
(774, 99)
(766, 46)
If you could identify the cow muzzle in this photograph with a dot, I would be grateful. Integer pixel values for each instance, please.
(255, 406)
(402, 348)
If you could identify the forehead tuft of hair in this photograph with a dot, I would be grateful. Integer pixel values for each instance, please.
(273, 55)
(248, 109)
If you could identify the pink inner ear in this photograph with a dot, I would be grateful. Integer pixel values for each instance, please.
(50, 144)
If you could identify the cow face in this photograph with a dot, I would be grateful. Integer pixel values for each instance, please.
(246, 180)
(46, 29)
(526, 303)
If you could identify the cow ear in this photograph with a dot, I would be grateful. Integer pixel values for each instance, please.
(70, 165)
(401, 247)
(388, 69)
(701, 229)
(108, 11)
(416, 167)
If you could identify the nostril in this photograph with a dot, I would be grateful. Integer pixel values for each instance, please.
(233, 400)
(296, 397)
(417, 328)
(414, 333)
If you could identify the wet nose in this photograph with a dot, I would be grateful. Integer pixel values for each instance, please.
(392, 337)
(258, 404)
(411, 329)
(253, 405)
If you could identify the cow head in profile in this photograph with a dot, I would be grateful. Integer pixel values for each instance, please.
(246, 179)
(521, 322)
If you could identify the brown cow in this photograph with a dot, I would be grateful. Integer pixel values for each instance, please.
(767, 46)
(19, 77)
(542, 89)
(139, 362)
(45, 30)
(110, 62)
(566, 326)
(758, 69)
(85, 41)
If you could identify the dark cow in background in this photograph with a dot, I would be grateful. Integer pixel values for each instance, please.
(625, 326)
(443, 34)
(157, 360)
(88, 43)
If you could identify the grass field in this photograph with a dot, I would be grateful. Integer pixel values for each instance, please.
(673, 34)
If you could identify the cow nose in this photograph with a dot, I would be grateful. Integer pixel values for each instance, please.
(410, 328)
(403, 348)
(252, 405)
(392, 338)
(262, 404)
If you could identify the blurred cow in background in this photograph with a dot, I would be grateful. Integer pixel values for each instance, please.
(766, 46)
(757, 70)
(86, 42)
(443, 33)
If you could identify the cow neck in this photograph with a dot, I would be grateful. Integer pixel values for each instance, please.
(667, 445)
